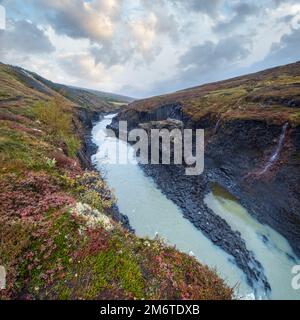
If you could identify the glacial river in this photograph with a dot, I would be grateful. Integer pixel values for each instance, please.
(150, 213)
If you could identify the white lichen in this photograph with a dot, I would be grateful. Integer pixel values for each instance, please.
(92, 216)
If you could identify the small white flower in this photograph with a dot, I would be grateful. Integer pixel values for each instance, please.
(147, 243)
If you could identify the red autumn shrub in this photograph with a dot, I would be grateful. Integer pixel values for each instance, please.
(32, 196)
(98, 240)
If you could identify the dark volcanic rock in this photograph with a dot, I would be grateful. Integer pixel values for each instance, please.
(134, 118)
(87, 118)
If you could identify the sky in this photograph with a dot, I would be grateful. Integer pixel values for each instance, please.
(142, 48)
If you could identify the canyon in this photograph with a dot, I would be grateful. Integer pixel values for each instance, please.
(252, 159)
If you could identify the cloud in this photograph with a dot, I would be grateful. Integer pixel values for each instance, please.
(139, 40)
(166, 21)
(109, 55)
(286, 19)
(285, 51)
(98, 21)
(82, 66)
(211, 60)
(242, 12)
(210, 7)
(94, 20)
(24, 37)
(279, 2)
(82, 71)
(206, 62)
(136, 43)
(115, 37)
(144, 32)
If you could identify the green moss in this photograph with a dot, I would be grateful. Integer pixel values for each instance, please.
(64, 294)
(63, 228)
(110, 267)
(11, 141)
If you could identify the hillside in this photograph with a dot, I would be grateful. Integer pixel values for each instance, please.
(62, 236)
(30, 86)
(85, 97)
(272, 94)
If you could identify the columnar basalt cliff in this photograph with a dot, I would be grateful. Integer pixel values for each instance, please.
(252, 149)
(87, 119)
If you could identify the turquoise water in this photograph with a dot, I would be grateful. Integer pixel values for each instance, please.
(271, 249)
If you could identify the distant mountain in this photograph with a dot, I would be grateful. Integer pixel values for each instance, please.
(87, 98)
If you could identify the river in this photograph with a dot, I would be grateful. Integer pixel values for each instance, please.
(150, 214)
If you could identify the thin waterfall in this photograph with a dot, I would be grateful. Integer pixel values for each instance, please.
(274, 157)
(217, 126)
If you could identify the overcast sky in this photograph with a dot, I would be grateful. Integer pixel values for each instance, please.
(148, 47)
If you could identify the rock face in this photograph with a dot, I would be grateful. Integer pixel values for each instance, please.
(169, 124)
(236, 152)
(86, 119)
(135, 118)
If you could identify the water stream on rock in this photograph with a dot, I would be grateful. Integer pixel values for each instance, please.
(150, 213)
(275, 155)
(217, 126)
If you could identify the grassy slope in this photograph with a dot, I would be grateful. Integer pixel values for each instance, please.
(268, 95)
(49, 245)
